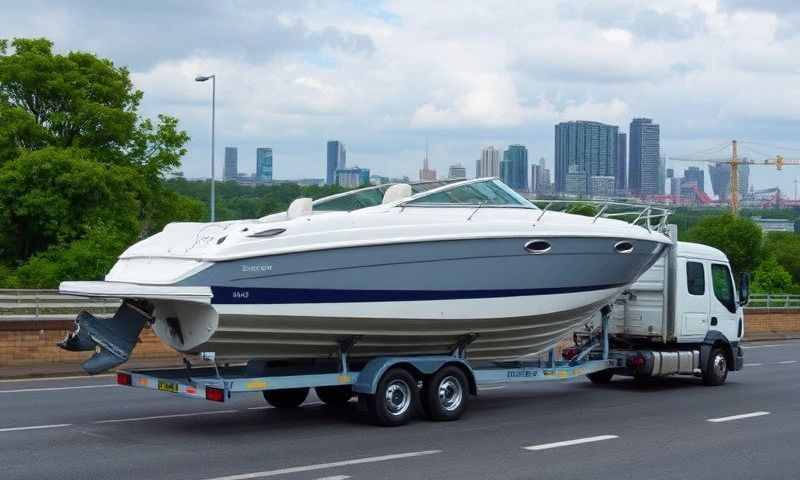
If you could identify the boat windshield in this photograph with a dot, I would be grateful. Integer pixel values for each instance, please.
(484, 192)
(368, 197)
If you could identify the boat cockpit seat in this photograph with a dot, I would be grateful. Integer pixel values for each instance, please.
(397, 192)
(301, 207)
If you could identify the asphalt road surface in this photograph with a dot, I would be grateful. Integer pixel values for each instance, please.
(669, 429)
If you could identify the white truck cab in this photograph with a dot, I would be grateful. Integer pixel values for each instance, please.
(683, 315)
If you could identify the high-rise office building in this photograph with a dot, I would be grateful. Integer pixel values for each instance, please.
(602, 185)
(336, 160)
(427, 174)
(720, 175)
(515, 170)
(582, 147)
(230, 170)
(622, 163)
(489, 163)
(457, 172)
(536, 178)
(644, 157)
(263, 164)
(697, 175)
(478, 168)
(352, 177)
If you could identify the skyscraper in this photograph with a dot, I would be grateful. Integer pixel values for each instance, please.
(337, 160)
(352, 177)
(230, 171)
(622, 163)
(427, 174)
(720, 175)
(515, 168)
(697, 175)
(584, 148)
(645, 154)
(264, 164)
(489, 162)
(456, 172)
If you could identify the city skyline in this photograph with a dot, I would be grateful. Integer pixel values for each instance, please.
(342, 73)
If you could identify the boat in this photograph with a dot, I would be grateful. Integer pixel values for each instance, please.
(396, 269)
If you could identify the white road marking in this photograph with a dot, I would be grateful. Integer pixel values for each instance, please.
(737, 417)
(268, 407)
(159, 417)
(772, 345)
(34, 427)
(787, 362)
(567, 443)
(71, 377)
(52, 389)
(321, 466)
(753, 364)
(498, 387)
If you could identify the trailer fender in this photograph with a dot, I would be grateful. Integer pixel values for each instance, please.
(370, 375)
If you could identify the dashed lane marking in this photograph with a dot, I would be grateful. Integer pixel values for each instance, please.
(567, 443)
(52, 389)
(34, 427)
(787, 362)
(322, 466)
(159, 417)
(753, 364)
(71, 377)
(737, 417)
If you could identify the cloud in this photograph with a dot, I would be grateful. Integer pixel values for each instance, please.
(383, 76)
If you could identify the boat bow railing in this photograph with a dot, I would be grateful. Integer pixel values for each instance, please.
(648, 216)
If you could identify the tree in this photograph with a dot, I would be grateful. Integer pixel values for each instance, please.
(739, 238)
(771, 277)
(785, 248)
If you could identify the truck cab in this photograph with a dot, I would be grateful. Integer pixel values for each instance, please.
(686, 302)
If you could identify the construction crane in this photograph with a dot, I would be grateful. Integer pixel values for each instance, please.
(734, 161)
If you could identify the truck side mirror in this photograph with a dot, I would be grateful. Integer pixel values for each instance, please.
(744, 288)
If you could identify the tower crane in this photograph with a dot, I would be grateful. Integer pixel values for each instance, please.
(734, 161)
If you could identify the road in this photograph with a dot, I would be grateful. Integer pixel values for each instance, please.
(674, 428)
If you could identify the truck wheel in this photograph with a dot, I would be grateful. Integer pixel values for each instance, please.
(394, 401)
(600, 378)
(288, 398)
(446, 394)
(716, 371)
(335, 396)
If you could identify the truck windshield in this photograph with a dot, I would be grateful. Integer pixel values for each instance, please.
(723, 286)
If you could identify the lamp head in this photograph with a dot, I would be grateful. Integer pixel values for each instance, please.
(203, 78)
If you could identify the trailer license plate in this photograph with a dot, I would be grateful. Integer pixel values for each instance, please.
(168, 387)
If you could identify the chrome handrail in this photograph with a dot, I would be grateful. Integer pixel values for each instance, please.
(644, 215)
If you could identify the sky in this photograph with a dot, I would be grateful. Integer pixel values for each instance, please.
(382, 76)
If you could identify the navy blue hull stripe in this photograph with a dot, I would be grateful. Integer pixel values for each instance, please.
(233, 295)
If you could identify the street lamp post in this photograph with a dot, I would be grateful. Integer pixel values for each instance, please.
(213, 78)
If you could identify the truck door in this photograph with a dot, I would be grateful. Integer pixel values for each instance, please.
(694, 298)
(724, 316)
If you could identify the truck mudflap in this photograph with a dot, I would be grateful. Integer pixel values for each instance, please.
(114, 338)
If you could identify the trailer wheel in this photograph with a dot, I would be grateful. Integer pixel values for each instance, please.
(446, 394)
(287, 398)
(600, 378)
(716, 371)
(336, 395)
(394, 401)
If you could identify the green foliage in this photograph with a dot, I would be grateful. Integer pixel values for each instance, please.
(785, 248)
(771, 277)
(585, 209)
(81, 173)
(739, 238)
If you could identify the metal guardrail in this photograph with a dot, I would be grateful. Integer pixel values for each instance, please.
(42, 305)
(773, 301)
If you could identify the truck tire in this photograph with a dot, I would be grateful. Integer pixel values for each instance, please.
(446, 394)
(716, 371)
(600, 378)
(336, 395)
(287, 398)
(394, 401)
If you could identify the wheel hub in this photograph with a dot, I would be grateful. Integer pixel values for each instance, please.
(720, 365)
(398, 397)
(450, 394)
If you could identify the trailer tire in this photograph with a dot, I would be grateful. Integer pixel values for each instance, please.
(601, 377)
(446, 394)
(716, 371)
(336, 395)
(286, 398)
(394, 401)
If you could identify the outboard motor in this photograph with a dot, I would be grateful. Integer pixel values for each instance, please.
(115, 336)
